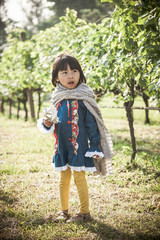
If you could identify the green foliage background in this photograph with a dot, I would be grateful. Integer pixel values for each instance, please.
(119, 53)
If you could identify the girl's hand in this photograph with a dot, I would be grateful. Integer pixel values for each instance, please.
(47, 123)
(97, 157)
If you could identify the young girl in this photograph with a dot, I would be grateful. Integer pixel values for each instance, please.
(82, 141)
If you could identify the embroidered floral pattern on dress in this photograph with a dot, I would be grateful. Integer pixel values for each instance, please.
(55, 132)
(56, 142)
(75, 129)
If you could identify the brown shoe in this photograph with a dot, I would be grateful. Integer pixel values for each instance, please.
(80, 217)
(62, 217)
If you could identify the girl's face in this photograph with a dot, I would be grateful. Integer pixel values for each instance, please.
(69, 78)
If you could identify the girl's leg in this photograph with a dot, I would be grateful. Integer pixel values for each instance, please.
(81, 184)
(64, 186)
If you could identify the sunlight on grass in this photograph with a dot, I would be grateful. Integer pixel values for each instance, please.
(124, 205)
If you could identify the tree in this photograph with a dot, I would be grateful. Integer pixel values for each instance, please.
(131, 51)
(89, 10)
(37, 14)
(3, 34)
(16, 70)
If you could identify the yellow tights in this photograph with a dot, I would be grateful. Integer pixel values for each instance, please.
(81, 184)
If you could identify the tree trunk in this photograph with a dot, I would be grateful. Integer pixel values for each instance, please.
(2, 105)
(25, 104)
(129, 114)
(39, 103)
(31, 103)
(18, 108)
(145, 99)
(99, 93)
(26, 110)
(23, 36)
(10, 108)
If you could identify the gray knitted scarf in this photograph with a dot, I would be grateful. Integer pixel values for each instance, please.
(84, 92)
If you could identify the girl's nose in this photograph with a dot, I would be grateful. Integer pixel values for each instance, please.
(70, 75)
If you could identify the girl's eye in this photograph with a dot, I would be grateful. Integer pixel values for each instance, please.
(75, 70)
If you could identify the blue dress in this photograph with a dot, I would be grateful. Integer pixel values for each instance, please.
(76, 135)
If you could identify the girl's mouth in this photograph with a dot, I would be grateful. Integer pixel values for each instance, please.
(71, 82)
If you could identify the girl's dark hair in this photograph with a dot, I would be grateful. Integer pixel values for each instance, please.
(60, 64)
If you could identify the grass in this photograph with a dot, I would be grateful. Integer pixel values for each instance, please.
(124, 206)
